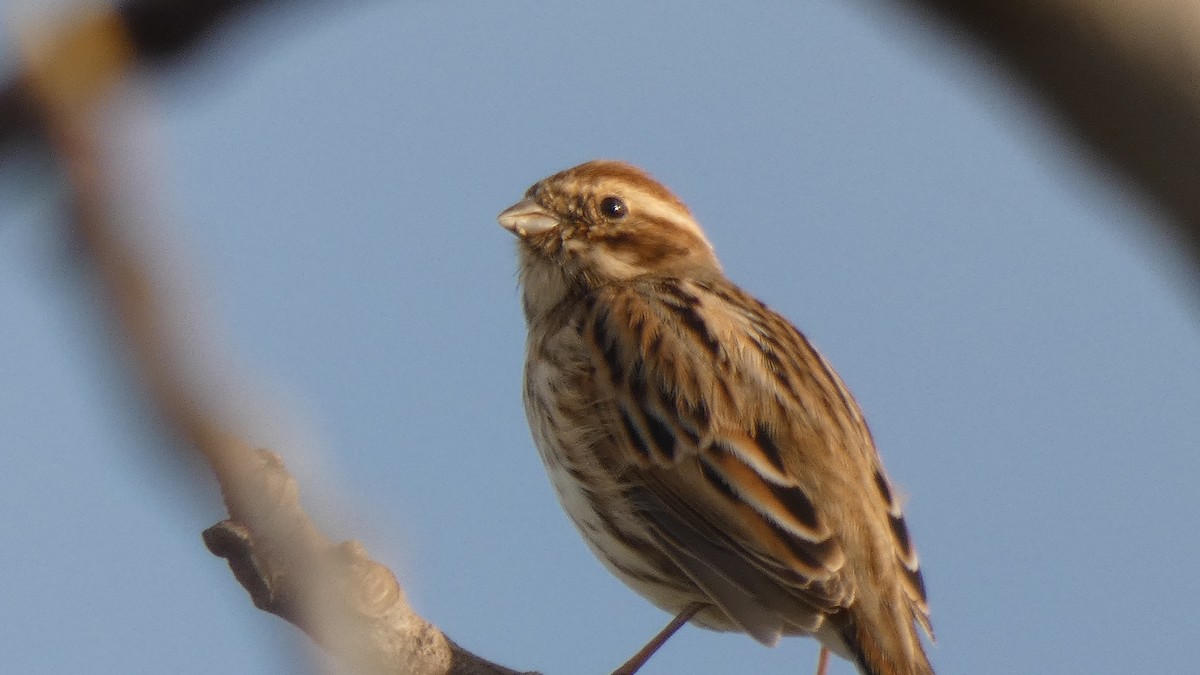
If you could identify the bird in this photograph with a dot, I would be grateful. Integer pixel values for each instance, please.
(709, 455)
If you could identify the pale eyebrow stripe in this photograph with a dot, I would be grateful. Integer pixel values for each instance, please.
(655, 207)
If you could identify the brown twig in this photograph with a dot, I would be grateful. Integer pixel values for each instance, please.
(1124, 76)
(338, 595)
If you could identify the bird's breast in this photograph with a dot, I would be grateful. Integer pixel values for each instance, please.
(571, 418)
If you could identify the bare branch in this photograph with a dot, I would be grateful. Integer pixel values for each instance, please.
(1125, 76)
(347, 602)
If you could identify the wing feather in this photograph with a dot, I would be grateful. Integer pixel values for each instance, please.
(717, 488)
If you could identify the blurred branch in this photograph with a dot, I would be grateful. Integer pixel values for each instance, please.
(160, 29)
(347, 602)
(1123, 75)
(155, 31)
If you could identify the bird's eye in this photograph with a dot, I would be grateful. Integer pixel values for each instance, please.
(613, 207)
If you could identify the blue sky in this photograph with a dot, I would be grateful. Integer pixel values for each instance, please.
(1015, 329)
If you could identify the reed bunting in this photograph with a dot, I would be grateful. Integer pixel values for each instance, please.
(711, 458)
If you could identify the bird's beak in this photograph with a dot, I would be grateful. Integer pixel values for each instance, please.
(526, 217)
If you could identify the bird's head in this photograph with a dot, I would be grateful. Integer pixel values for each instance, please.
(598, 223)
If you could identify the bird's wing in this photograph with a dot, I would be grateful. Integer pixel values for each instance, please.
(717, 444)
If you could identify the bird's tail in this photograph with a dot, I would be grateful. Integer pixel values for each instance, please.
(891, 649)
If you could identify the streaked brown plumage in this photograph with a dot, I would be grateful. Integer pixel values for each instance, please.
(702, 446)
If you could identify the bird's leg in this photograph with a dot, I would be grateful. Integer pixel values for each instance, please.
(639, 659)
(823, 661)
